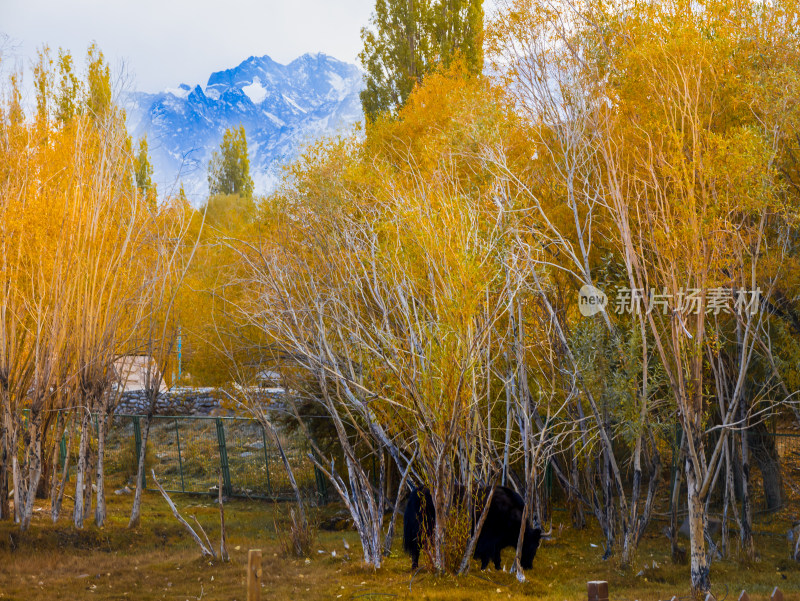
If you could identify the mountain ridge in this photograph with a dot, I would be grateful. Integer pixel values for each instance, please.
(282, 108)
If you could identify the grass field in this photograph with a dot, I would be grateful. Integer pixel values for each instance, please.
(159, 561)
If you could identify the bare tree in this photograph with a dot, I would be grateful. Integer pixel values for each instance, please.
(170, 251)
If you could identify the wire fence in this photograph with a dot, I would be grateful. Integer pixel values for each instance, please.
(787, 459)
(188, 453)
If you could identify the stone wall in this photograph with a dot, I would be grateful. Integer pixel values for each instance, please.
(177, 401)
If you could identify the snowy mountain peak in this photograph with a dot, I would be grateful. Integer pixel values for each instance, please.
(282, 108)
(182, 91)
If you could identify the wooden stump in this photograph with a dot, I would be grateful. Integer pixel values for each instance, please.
(254, 575)
(598, 590)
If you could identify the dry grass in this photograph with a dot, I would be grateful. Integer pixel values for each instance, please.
(297, 537)
(159, 561)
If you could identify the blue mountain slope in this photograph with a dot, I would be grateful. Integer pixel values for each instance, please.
(282, 107)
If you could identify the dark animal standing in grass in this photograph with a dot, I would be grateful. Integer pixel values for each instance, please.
(500, 530)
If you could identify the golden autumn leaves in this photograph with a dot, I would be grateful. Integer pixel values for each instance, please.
(419, 279)
(85, 257)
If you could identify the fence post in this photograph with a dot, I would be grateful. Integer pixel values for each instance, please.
(254, 575)
(319, 478)
(322, 487)
(776, 595)
(266, 459)
(180, 459)
(223, 458)
(597, 590)
(674, 460)
(63, 451)
(62, 446)
(137, 435)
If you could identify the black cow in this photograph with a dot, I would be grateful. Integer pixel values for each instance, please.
(500, 529)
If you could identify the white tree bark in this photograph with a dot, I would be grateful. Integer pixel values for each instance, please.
(78, 512)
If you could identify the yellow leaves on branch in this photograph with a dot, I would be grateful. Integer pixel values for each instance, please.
(75, 233)
(652, 133)
(392, 248)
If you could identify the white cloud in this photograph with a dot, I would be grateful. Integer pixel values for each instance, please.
(165, 42)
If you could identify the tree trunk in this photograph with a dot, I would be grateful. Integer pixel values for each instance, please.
(387, 543)
(507, 445)
(267, 424)
(578, 517)
(638, 521)
(100, 508)
(608, 499)
(54, 477)
(700, 570)
(748, 547)
(764, 453)
(16, 478)
(359, 498)
(4, 461)
(60, 484)
(589, 475)
(47, 469)
(137, 496)
(647, 512)
(677, 555)
(628, 527)
(34, 469)
(91, 464)
(441, 493)
(726, 499)
(487, 501)
(518, 571)
(81, 471)
(773, 488)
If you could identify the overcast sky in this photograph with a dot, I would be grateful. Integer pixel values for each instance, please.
(167, 42)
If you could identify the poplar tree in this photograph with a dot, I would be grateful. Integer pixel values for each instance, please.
(143, 173)
(409, 38)
(68, 88)
(98, 83)
(229, 169)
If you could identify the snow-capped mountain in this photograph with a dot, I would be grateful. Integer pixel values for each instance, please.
(282, 108)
